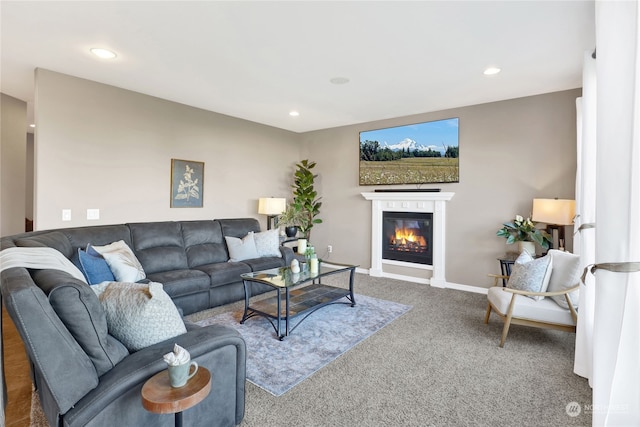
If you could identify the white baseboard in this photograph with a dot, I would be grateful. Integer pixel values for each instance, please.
(448, 285)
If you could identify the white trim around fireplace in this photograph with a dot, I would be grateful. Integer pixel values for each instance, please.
(429, 202)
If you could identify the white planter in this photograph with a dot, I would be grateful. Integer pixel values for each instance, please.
(527, 246)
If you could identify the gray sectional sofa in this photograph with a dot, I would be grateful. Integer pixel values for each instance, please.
(85, 376)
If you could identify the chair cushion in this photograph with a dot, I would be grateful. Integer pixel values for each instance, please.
(566, 274)
(545, 310)
(532, 275)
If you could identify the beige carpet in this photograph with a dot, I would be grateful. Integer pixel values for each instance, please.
(437, 365)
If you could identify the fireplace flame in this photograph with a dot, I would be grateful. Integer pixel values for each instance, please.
(405, 236)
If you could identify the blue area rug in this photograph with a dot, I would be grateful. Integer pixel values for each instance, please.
(277, 366)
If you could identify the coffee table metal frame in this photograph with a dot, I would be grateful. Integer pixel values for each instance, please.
(306, 299)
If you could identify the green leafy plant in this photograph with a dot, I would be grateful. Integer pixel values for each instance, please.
(305, 197)
(292, 216)
(524, 230)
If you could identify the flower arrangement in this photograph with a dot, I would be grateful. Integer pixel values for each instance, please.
(524, 230)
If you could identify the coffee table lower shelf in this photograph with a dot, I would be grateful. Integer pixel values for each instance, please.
(289, 304)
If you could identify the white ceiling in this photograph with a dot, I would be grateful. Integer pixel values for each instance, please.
(260, 60)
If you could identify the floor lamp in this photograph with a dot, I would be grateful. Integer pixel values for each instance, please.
(271, 207)
(556, 213)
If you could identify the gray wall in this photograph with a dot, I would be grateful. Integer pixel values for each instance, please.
(102, 147)
(13, 152)
(510, 152)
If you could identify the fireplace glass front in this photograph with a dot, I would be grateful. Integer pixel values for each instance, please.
(407, 236)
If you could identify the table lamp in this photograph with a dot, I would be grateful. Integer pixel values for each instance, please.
(556, 213)
(271, 207)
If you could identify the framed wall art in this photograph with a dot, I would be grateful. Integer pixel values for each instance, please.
(420, 153)
(187, 179)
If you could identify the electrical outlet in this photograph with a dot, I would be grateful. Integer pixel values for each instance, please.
(329, 248)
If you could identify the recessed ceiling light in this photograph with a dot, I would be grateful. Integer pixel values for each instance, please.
(32, 125)
(491, 71)
(294, 113)
(339, 80)
(103, 53)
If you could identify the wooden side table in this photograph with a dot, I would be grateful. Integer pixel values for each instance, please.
(160, 398)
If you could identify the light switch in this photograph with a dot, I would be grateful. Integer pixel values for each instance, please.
(66, 214)
(93, 213)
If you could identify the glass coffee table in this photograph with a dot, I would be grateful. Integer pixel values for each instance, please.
(297, 295)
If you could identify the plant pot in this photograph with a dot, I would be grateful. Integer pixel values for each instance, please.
(527, 246)
(291, 231)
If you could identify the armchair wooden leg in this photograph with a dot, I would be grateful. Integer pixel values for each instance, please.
(505, 331)
(486, 317)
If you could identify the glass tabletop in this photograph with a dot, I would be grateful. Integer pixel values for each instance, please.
(283, 277)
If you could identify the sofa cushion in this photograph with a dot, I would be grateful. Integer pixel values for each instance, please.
(268, 243)
(182, 282)
(139, 314)
(223, 273)
(94, 267)
(532, 275)
(159, 246)
(241, 249)
(98, 235)
(122, 261)
(203, 242)
(79, 309)
(565, 274)
(54, 239)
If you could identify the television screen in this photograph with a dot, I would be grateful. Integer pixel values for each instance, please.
(421, 153)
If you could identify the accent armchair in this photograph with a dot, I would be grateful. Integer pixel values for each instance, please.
(547, 299)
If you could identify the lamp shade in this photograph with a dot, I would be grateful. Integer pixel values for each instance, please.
(271, 205)
(554, 211)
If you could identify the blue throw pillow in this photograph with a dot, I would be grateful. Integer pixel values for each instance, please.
(95, 268)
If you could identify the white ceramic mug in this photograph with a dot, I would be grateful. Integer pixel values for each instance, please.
(179, 374)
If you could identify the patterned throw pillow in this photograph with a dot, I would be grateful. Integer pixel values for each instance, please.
(139, 314)
(532, 275)
(268, 243)
(122, 261)
(241, 249)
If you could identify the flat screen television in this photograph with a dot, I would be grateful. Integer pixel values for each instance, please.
(420, 153)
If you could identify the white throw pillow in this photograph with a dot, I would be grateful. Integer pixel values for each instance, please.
(532, 275)
(123, 263)
(268, 243)
(139, 314)
(241, 249)
(566, 274)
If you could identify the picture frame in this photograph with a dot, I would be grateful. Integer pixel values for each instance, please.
(420, 153)
(187, 183)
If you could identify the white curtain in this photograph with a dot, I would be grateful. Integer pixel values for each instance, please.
(584, 241)
(616, 327)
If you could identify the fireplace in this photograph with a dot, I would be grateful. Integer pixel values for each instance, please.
(407, 236)
(416, 204)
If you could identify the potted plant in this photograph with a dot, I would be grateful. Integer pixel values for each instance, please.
(291, 219)
(524, 231)
(305, 197)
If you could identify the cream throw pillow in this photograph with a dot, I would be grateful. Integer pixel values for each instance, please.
(532, 275)
(241, 249)
(566, 274)
(139, 314)
(123, 263)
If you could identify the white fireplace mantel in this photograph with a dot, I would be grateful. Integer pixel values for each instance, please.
(427, 202)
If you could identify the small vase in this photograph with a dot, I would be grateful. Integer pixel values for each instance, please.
(530, 247)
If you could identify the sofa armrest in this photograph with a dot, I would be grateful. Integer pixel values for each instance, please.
(287, 254)
(133, 371)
